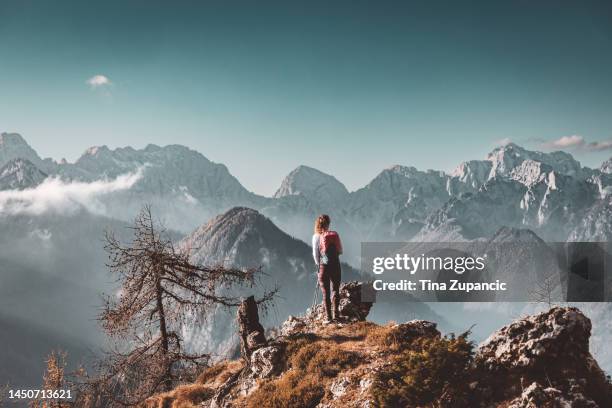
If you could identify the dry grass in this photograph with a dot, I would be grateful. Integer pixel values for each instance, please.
(184, 396)
(219, 373)
(386, 337)
(312, 366)
(192, 395)
(419, 372)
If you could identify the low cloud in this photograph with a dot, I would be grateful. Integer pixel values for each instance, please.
(577, 143)
(98, 81)
(56, 195)
(599, 146)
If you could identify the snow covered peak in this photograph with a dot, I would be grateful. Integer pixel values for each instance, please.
(314, 185)
(166, 170)
(474, 173)
(408, 171)
(19, 174)
(530, 172)
(505, 159)
(606, 167)
(403, 178)
(96, 150)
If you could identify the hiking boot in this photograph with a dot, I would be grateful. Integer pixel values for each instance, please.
(328, 312)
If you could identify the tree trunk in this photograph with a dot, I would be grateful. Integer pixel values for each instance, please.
(163, 331)
(251, 331)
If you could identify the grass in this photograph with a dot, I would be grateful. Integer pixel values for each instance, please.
(312, 366)
(184, 396)
(219, 373)
(426, 373)
(192, 395)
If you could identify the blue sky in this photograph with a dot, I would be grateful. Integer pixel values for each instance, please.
(346, 87)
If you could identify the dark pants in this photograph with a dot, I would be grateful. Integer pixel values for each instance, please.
(329, 277)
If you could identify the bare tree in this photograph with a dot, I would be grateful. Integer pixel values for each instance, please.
(161, 290)
(543, 290)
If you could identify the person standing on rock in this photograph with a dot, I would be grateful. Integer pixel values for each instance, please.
(326, 251)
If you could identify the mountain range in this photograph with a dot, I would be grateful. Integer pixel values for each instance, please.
(513, 192)
(243, 237)
(548, 193)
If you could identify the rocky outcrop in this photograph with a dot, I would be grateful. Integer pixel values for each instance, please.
(542, 358)
(536, 341)
(352, 309)
(537, 361)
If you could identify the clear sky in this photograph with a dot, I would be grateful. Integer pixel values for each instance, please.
(349, 87)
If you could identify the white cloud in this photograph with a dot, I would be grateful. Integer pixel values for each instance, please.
(56, 195)
(503, 142)
(577, 143)
(565, 142)
(98, 81)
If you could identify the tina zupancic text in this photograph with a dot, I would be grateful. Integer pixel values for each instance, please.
(428, 285)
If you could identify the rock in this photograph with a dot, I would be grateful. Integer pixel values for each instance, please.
(352, 309)
(339, 387)
(536, 396)
(365, 384)
(266, 361)
(351, 306)
(292, 325)
(536, 340)
(406, 332)
(539, 361)
(549, 348)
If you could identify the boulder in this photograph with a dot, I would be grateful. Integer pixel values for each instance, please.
(267, 361)
(550, 348)
(536, 340)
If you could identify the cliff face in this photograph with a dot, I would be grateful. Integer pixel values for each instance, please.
(537, 361)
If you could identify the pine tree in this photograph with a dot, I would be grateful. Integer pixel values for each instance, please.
(160, 290)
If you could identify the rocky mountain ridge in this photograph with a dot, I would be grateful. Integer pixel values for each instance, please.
(19, 174)
(550, 193)
(541, 360)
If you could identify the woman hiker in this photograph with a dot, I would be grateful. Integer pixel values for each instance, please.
(326, 250)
